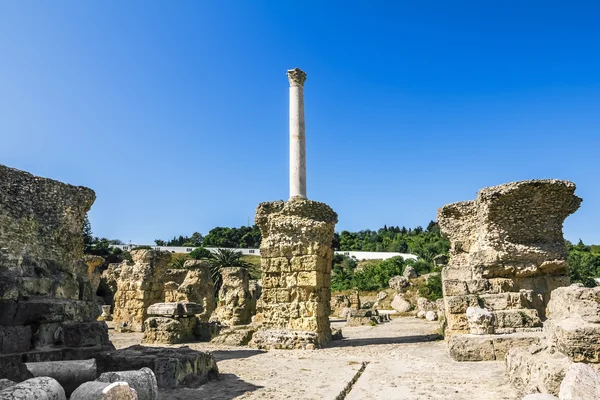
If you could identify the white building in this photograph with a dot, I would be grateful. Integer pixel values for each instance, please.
(358, 255)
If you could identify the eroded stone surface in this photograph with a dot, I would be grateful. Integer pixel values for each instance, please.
(507, 253)
(139, 285)
(581, 382)
(42, 388)
(233, 307)
(296, 257)
(197, 287)
(173, 367)
(47, 303)
(164, 330)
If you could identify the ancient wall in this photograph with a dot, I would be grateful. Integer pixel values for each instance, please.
(235, 298)
(296, 259)
(507, 253)
(196, 287)
(139, 285)
(47, 305)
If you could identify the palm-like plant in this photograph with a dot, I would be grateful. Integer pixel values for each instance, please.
(224, 258)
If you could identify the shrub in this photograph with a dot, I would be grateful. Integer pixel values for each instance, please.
(432, 289)
(200, 253)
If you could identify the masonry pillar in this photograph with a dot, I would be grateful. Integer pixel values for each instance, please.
(296, 253)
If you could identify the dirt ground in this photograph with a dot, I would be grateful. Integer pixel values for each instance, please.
(405, 361)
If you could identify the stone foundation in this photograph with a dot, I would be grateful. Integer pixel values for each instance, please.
(507, 254)
(296, 257)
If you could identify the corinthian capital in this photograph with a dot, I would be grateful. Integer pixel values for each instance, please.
(296, 77)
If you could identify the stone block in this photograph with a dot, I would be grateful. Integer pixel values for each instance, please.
(180, 367)
(457, 322)
(519, 318)
(455, 288)
(468, 347)
(235, 335)
(578, 339)
(15, 339)
(163, 330)
(12, 367)
(174, 310)
(581, 382)
(536, 369)
(285, 339)
(459, 304)
(85, 334)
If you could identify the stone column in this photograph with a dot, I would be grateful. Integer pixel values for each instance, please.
(297, 134)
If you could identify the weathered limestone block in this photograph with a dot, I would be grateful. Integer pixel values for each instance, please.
(6, 383)
(143, 381)
(468, 347)
(410, 272)
(573, 324)
(139, 286)
(296, 258)
(163, 330)
(174, 310)
(581, 382)
(104, 391)
(234, 298)
(235, 335)
(400, 304)
(70, 374)
(180, 367)
(399, 283)
(539, 368)
(43, 388)
(507, 253)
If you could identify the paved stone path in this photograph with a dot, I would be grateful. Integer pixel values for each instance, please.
(404, 362)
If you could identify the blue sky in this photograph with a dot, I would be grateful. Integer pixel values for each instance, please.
(176, 113)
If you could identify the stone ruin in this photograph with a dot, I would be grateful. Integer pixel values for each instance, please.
(139, 285)
(507, 254)
(233, 307)
(296, 259)
(48, 310)
(51, 343)
(570, 348)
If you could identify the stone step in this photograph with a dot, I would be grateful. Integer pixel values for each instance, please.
(517, 318)
(511, 300)
(489, 347)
